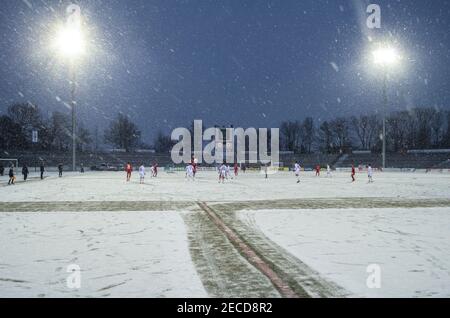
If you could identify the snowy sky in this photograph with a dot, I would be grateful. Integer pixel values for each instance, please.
(247, 63)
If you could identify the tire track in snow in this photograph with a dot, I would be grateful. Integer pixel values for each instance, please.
(253, 258)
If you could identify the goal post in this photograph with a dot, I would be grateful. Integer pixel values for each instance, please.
(6, 163)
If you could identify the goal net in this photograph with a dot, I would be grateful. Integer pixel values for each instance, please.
(6, 163)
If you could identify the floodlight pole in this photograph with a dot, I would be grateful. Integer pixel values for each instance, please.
(73, 105)
(385, 105)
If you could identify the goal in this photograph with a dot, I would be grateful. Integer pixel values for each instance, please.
(8, 162)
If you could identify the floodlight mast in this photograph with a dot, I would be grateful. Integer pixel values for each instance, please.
(70, 44)
(385, 58)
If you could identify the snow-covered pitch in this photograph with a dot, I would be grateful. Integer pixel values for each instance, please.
(153, 240)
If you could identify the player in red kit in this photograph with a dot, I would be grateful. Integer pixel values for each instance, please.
(155, 170)
(236, 169)
(318, 171)
(129, 170)
(194, 163)
(353, 173)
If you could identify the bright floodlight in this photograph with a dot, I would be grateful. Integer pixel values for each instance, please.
(386, 56)
(70, 42)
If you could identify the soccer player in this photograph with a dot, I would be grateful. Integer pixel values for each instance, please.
(129, 170)
(236, 169)
(190, 172)
(142, 174)
(318, 171)
(297, 171)
(60, 170)
(222, 173)
(25, 172)
(194, 163)
(228, 172)
(152, 171)
(12, 178)
(155, 170)
(328, 171)
(42, 169)
(370, 173)
(353, 173)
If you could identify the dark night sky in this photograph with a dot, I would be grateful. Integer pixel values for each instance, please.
(247, 63)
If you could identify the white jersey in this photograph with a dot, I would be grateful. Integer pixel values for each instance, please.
(370, 172)
(142, 171)
(223, 170)
(190, 171)
(297, 168)
(328, 169)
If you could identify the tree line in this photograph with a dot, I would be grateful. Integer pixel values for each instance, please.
(55, 131)
(418, 128)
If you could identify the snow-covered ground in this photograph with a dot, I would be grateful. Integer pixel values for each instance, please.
(150, 253)
(111, 186)
(120, 254)
(410, 246)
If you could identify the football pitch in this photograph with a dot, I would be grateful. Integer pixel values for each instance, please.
(249, 237)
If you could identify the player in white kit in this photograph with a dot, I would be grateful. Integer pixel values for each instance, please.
(329, 171)
(370, 173)
(190, 172)
(222, 173)
(142, 174)
(152, 171)
(297, 169)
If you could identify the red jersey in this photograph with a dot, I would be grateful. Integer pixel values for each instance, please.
(194, 165)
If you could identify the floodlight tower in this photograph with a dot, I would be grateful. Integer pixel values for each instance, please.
(385, 58)
(70, 44)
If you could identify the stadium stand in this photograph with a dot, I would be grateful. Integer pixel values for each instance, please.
(91, 159)
(421, 160)
(395, 160)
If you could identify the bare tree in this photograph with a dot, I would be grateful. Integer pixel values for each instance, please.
(424, 116)
(398, 128)
(307, 134)
(446, 140)
(325, 138)
(362, 127)
(28, 117)
(340, 130)
(60, 131)
(123, 133)
(83, 138)
(375, 129)
(163, 143)
(10, 134)
(437, 128)
(290, 132)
